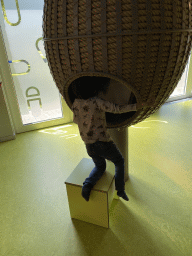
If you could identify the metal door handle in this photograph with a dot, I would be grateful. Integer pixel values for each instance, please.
(5, 15)
(24, 73)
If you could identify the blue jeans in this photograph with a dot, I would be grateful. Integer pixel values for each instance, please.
(99, 151)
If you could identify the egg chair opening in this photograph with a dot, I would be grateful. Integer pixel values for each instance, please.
(110, 90)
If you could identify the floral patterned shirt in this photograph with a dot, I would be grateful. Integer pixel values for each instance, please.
(90, 116)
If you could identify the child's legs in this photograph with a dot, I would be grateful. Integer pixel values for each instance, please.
(100, 151)
(97, 172)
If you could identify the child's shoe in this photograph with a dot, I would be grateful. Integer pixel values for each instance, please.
(86, 190)
(123, 195)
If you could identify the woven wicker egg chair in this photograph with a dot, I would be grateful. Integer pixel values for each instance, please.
(143, 44)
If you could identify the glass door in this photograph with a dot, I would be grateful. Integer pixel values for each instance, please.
(40, 103)
(184, 87)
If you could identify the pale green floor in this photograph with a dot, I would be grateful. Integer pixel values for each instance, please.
(35, 217)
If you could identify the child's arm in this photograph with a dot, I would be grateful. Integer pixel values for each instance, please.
(118, 109)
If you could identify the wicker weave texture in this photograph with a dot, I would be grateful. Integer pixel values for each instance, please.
(145, 44)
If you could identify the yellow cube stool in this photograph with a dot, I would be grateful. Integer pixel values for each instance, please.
(96, 210)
